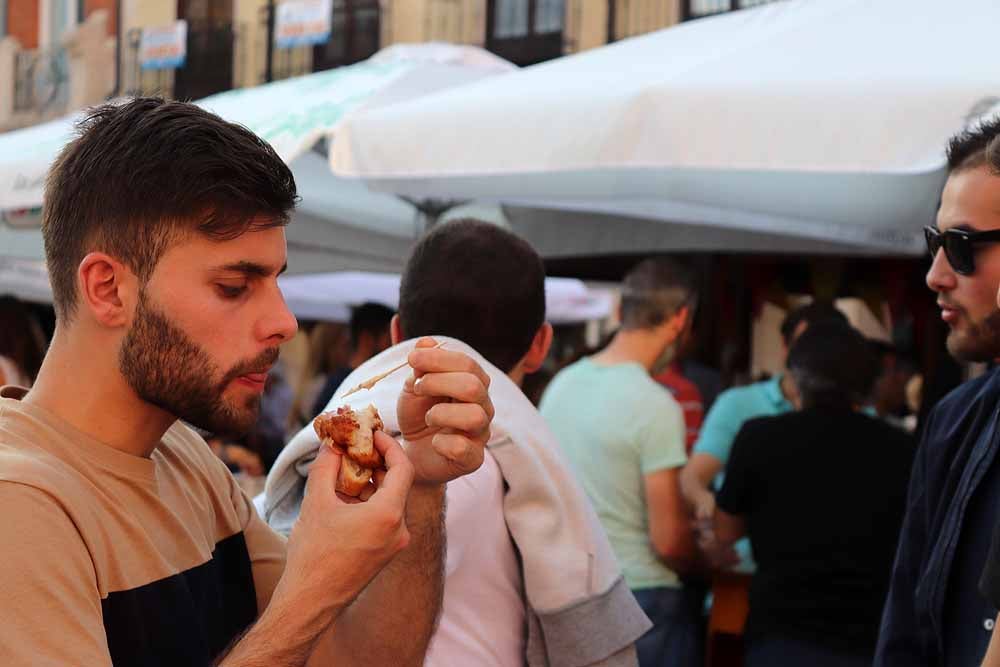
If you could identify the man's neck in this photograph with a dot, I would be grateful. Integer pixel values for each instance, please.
(787, 388)
(90, 394)
(639, 346)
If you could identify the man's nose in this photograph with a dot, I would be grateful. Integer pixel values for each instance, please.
(941, 277)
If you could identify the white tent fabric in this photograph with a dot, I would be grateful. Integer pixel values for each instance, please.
(813, 119)
(330, 296)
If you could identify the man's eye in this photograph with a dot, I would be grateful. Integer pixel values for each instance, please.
(231, 291)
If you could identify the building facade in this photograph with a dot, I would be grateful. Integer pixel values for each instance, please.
(61, 55)
(55, 56)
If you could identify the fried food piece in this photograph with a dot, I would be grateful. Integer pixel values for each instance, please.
(352, 433)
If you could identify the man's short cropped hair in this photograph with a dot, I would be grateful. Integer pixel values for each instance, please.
(371, 318)
(975, 147)
(833, 365)
(816, 312)
(142, 173)
(653, 291)
(477, 282)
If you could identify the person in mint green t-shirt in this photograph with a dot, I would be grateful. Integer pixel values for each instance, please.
(624, 435)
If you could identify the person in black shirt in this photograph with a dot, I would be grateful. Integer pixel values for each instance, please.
(821, 493)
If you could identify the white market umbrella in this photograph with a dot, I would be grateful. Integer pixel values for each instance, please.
(330, 296)
(819, 119)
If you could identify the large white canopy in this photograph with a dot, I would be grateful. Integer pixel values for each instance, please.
(821, 120)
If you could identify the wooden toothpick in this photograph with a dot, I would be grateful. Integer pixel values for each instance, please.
(371, 382)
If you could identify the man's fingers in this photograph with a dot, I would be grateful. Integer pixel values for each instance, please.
(460, 386)
(396, 480)
(424, 360)
(323, 475)
(463, 453)
(466, 417)
(425, 342)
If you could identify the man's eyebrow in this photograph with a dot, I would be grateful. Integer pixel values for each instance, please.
(253, 269)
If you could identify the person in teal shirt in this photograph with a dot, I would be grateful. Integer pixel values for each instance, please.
(725, 419)
(624, 436)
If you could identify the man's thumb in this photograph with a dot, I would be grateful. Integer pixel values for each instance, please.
(324, 471)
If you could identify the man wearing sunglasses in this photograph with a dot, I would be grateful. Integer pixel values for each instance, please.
(934, 614)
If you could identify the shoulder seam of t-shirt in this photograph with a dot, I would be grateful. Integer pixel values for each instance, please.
(60, 504)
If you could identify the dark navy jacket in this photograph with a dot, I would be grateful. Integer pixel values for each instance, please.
(956, 464)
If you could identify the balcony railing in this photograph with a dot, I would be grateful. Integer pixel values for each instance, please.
(41, 81)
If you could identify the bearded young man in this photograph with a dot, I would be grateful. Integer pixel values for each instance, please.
(934, 614)
(124, 540)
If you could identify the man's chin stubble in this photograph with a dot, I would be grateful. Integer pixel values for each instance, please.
(979, 342)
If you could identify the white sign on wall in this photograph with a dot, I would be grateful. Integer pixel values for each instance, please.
(163, 47)
(302, 23)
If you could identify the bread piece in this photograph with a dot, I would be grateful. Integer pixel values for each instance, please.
(352, 433)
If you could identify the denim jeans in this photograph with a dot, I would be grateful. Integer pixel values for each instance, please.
(676, 639)
(770, 651)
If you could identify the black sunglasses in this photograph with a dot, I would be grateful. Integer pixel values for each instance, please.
(958, 246)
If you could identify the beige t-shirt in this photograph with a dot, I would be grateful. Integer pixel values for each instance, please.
(109, 558)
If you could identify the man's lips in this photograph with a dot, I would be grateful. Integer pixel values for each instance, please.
(949, 314)
(255, 381)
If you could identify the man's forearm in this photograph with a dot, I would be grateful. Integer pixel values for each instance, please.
(392, 621)
(283, 636)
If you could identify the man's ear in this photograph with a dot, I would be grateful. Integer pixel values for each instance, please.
(108, 289)
(539, 349)
(677, 323)
(395, 331)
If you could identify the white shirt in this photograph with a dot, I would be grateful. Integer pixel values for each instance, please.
(483, 617)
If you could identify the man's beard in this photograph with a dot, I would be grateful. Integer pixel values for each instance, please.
(167, 369)
(977, 341)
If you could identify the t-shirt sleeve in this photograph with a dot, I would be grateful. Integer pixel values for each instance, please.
(735, 496)
(267, 548)
(661, 440)
(51, 601)
(720, 427)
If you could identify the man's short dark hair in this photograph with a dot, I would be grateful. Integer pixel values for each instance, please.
(140, 174)
(371, 318)
(814, 313)
(833, 365)
(479, 283)
(653, 291)
(976, 147)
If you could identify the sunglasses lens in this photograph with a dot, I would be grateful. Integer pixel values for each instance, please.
(933, 239)
(959, 252)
